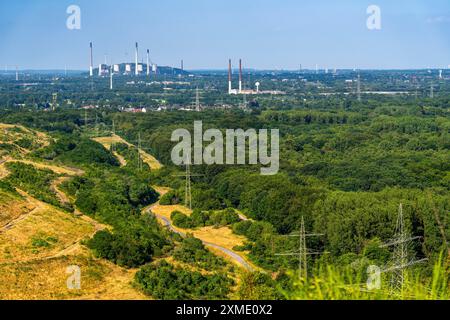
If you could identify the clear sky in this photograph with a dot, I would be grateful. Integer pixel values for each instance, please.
(267, 34)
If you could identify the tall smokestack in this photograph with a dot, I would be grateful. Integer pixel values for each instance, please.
(182, 65)
(91, 68)
(148, 62)
(111, 71)
(240, 75)
(136, 71)
(229, 76)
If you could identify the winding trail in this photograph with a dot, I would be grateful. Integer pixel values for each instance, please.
(39, 205)
(234, 256)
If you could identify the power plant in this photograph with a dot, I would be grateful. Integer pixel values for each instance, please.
(129, 69)
(241, 89)
(91, 68)
(136, 66)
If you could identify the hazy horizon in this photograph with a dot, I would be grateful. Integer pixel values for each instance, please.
(267, 35)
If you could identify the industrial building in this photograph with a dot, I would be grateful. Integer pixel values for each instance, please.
(241, 89)
(127, 69)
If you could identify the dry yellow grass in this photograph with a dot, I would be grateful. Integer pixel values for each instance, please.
(38, 242)
(11, 133)
(12, 207)
(29, 270)
(40, 165)
(161, 190)
(153, 163)
(55, 168)
(47, 279)
(41, 233)
(223, 236)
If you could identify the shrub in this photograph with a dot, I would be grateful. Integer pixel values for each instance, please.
(181, 220)
(164, 281)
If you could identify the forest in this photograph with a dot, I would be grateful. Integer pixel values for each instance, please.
(346, 167)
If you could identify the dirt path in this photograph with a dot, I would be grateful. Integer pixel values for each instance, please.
(76, 245)
(40, 165)
(168, 223)
(55, 188)
(38, 205)
(121, 159)
(153, 163)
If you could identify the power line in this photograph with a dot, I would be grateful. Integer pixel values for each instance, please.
(54, 101)
(302, 252)
(187, 188)
(358, 89)
(400, 255)
(197, 100)
(140, 165)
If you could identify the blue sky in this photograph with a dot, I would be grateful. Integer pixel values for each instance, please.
(267, 34)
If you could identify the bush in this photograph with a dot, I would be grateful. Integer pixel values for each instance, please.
(193, 251)
(171, 198)
(181, 220)
(121, 249)
(164, 281)
(204, 218)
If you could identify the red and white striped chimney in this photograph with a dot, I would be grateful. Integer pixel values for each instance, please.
(229, 76)
(240, 75)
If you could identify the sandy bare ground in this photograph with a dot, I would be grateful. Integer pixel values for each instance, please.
(219, 239)
(25, 274)
(153, 163)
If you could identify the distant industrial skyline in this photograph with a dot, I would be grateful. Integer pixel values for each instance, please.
(267, 34)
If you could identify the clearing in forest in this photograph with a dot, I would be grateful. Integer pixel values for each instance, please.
(153, 163)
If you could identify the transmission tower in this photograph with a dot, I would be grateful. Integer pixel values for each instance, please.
(85, 119)
(302, 253)
(113, 144)
(187, 188)
(54, 101)
(188, 191)
(358, 89)
(400, 255)
(244, 102)
(96, 125)
(139, 152)
(197, 100)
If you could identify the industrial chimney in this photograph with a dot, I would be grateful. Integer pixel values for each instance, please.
(91, 68)
(240, 75)
(148, 62)
(229, 76)
(137, 60)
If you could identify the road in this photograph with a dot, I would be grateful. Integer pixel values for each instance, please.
(228, 252)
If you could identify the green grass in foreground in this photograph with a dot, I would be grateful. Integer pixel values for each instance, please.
(331, 283)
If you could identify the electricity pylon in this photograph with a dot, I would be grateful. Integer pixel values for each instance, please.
(358, 89)
(54, 101)
(139, 152)
(96, 125)
(85, 119)
(197, 101)
(113, 144)
(187, 188)
(244, 102)
(400, 255)
(302, 252)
